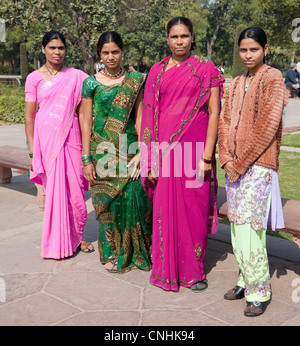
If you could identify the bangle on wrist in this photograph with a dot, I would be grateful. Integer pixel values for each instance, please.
(86, 159)
(30, 155)
(205, 160)
(86, 163)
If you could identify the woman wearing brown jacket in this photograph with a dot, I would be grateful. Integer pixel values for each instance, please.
(250, 130)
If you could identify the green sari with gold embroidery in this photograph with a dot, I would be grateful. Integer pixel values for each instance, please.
(122, 207)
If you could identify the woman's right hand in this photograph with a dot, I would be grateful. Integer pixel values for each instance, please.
(232, 174)
(152, 177)
(90, 173)
(31, 164)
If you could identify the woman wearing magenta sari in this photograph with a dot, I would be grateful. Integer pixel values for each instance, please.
(178, 132)
(54, 140)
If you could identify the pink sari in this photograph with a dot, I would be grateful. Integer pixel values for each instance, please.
(57, 159)
(173, 131)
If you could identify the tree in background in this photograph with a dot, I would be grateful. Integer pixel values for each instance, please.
(10, 50)
(142, 24)
(144, 34)
(81, 21)
(23, 61)
(276, 18)
(238, 67)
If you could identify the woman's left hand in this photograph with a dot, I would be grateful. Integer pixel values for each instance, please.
(204, 168)
(136, 167)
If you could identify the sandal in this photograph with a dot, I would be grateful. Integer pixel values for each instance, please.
(86, 249)
(199, 286)
(235, 293)
(114, 268)
(255, 308)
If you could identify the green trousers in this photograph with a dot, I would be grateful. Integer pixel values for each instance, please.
(249, 201)
(249, 247)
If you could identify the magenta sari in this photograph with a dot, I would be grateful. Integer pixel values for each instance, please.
(57, 159)
(173, 131)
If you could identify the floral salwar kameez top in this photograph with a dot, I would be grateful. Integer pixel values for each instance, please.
(250, 130)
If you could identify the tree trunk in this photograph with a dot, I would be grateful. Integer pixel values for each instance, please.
(210, 44)
(87, 55)
(208, 50)
(82, 44)
(88, 63)
(23, 62)
(237, 67)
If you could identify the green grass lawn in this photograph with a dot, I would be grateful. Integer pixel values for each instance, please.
(289, 181)
(292, 140)
(288, 174)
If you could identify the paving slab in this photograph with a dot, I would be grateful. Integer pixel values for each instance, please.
(79, 291)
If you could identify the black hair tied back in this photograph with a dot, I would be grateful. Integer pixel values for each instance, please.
(107, 37)
(53, 35)
(185, 21)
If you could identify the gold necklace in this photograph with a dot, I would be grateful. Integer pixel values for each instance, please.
(109, 75)
(55, 72)
(179, 62)
(175, 63)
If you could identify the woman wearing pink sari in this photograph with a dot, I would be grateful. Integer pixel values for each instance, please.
(54, 140)
(178, 134)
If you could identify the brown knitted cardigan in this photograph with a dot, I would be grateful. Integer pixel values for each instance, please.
(250, 126)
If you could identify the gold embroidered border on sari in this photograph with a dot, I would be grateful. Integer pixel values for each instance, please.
(115, 126)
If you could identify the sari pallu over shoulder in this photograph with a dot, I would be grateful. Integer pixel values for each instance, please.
(185, 90)
(121, 107)
(57, 161)
(58, 99)
(109, 186)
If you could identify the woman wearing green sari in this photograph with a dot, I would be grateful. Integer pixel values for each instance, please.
(110, 140)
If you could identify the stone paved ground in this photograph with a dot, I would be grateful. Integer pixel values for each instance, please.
(79, 291)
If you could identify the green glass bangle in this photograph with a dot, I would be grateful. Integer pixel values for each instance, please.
(31, 155)
(86, 158)
(86, 163)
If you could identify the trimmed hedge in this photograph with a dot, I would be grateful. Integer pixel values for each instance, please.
(12, 104)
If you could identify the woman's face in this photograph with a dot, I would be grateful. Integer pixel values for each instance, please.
(180, 41)
(111, 56)
(252, 53)
(55, 52)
